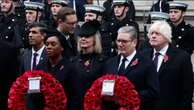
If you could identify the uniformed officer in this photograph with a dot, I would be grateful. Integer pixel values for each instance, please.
(182, 32)
(8, 24)
(121, 18)
(56, 5)
(93, 12)
(33, 11)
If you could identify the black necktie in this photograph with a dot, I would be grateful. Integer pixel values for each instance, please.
(122, 67)
(155, 60)
(34, 61)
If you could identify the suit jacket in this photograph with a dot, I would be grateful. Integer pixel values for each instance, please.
(8, 69)
(142, 75)
(70, 49)
(175, 79)
(26, 60)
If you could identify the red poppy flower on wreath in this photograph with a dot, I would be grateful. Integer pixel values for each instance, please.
(54, 94)
(124, 94)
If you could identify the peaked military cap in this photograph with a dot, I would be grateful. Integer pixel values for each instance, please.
(62, 2)
(120, 2)
(178, 5)
(89, 28)
(94, 8)
(33, 5)
(159, 16)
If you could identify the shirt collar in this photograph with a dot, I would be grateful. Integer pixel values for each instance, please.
(130, 57)
(39, 51)
(163, 50)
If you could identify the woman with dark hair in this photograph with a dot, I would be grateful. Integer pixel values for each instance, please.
(57, 65)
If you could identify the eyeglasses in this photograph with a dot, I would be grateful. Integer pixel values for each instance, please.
(123, 41)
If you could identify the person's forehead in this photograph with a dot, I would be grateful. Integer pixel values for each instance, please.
(175, 10)
(32, 11)
(56, 4)
(71, 18)
(90, 13)
(124, 35)
(6, 1)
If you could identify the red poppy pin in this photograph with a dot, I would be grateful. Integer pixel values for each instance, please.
(62, 67)
(135, 62)
(87, 63)
(166, 58)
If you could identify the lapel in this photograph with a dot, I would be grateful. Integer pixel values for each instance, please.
(28, 60)
(42, 57)
(116, 64)
(165, 63)
(134, 62)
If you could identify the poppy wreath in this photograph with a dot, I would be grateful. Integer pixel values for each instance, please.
(54, 94)
(124, 94)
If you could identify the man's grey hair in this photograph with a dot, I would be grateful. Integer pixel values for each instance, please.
(129, 29)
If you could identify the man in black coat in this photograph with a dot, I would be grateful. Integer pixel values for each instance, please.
(8, 70)
(67, 22)
(138, 69)
(173, 67)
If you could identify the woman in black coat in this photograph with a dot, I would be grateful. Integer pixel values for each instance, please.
(57, 65)
(89, 62)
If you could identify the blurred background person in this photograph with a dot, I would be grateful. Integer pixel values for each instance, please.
(182, 32)
(10, 24)
(161, 6)
(67, 22)
(121, 18)
(55, 6)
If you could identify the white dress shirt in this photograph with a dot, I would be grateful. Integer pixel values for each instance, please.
(38, 57)
(129, 58)
(161, 56)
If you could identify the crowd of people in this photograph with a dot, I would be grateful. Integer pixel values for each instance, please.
(79, 42)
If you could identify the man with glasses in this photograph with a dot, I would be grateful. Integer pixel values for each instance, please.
(134, 66)
(67, 22)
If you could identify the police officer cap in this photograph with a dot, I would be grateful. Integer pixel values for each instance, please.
(33, 5)
(120, 2)
(94, 8)
(178, 5)
(61, 2)
(89, 28)
(159, 16)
